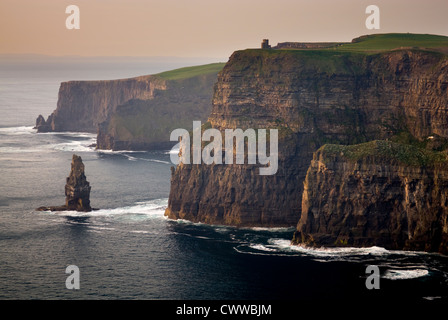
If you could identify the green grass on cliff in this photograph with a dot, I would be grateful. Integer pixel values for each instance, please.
(389, 151)
(390, 41)
(375, 43)
(189, 72)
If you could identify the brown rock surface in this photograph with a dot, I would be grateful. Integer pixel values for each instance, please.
(389, 195)
(77, 190)
(313, 98)
(83, 105)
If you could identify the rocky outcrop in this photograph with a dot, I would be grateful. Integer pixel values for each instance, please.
(379, 193)
(77, 190)
(312, 97)
(137, 113)
(82, 105)
(41, 124)
(145, 124)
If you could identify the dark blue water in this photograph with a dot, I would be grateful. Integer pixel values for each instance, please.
(129, 250)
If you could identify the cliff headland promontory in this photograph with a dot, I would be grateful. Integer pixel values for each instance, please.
(389, 88)
(136, 113)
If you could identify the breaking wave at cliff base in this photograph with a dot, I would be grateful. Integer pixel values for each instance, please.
(142, 209)
(395, 264)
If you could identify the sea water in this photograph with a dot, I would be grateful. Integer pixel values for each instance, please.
(128, 249)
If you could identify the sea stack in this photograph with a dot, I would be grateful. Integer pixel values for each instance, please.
(77, 190)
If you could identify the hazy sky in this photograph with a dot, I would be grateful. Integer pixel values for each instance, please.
(200, 28)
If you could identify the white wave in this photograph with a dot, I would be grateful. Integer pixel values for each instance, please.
(84, 145)
(262, 247)
(151, 208)
(173, 151)
(97, 228)
(285, 245)
(140, 231)
(132, 158)
(71, 134)
(19, 150)
(14, 131)
(77, 146)
(400, 274)
(70, 145)
(118, 151)
(273, 229)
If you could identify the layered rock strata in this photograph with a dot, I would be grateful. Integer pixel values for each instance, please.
(146, 124)
(137, 113)
(379, 193)
(83, 105)
(312, 97)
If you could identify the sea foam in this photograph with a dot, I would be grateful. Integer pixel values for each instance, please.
(150, 208)
(399, 274)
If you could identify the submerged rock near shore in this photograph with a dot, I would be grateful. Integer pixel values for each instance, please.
(77, 190)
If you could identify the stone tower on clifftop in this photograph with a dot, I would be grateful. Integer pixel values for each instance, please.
(265, 44)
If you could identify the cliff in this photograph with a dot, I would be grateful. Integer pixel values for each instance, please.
(137, 113)
(83, 105)
(350, 94)
(77, 190)
(144, 124)
(380, 193)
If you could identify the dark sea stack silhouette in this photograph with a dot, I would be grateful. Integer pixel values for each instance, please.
(77, 190)
(42, 125)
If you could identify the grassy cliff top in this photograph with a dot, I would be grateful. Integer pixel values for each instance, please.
(344, 58)
(388, 151)
(189, 72)
(376, 43)
(391, 41)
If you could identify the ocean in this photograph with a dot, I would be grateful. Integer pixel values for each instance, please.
(128, 249)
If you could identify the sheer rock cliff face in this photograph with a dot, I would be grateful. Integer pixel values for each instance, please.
(131, 114)
(145, 124)
(83, 105)
(313, 98)
(374, 201)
